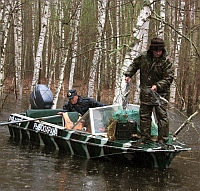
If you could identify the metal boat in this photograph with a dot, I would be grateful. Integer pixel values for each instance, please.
(108, 132)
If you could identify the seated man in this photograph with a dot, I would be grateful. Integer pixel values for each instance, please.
(80, 104)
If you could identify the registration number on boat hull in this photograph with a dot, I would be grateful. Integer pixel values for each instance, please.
(43, 128)
(36, 126)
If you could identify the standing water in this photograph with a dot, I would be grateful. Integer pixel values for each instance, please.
(28, 168)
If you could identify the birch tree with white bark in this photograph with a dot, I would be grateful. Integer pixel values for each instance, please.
(75, 49)
(63, 57)
(6, 15)
(140, 36)
(38, 58)
(17, 18)
(73, 35)
(118, 88)
(180, 18)
(97, 52)
(162, 17)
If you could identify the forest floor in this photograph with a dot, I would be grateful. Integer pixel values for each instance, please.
(106, 95)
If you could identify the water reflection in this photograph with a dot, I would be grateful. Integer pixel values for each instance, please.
(27, 167)
(104, 175)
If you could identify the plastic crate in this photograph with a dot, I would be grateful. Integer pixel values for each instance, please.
(125, 131)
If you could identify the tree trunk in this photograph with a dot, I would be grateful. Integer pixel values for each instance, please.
(140, 44)
(18, 47)
(97, 52)
(162, 16)
(6, 25)
(73, 33)
(75, 50)
(177, 47)
(40, 47)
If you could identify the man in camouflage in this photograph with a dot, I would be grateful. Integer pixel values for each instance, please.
(156, 76)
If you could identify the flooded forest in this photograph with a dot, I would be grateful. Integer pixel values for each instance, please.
(87, 45)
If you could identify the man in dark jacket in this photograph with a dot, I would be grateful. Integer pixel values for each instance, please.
(80, 104)
(156, 76)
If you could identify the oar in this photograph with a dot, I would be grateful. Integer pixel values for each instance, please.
(27, 120)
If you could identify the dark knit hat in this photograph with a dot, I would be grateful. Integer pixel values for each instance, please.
(71, 94)
(157, 44)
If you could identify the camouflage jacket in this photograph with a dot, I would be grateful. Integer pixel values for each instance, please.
(153, 71)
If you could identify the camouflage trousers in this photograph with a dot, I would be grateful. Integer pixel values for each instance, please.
(162, 119)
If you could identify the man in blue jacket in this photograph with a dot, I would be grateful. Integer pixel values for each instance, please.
(80, 104)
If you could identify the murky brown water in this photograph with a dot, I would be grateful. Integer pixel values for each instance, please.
(23, 167)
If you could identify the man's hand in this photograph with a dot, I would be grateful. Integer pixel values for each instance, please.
(154, 88)
(60, 113)
(127, 79)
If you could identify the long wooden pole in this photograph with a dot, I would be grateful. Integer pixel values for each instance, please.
(188, 119)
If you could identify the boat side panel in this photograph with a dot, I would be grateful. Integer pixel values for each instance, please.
(25, 134)
(63, 145)
(36, 113)
(91, 146)
(95, 148)
(34, 138)
(17, 133)
(48, 142)
(77, 143)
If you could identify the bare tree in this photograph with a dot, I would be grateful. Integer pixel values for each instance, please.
(179, 17)
(73, 36)
(57, 50)
(98, 48)
(38, 59)
(140, 44)
(6, 25)
(18, 46)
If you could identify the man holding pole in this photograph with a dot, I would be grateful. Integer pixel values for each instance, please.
(156, 76)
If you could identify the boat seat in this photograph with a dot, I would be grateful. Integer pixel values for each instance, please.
(36, 113)
(69, 120)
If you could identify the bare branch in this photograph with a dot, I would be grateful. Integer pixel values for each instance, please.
(158, 18)
(188, 119)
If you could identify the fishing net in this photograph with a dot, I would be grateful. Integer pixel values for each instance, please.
(132, 114)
